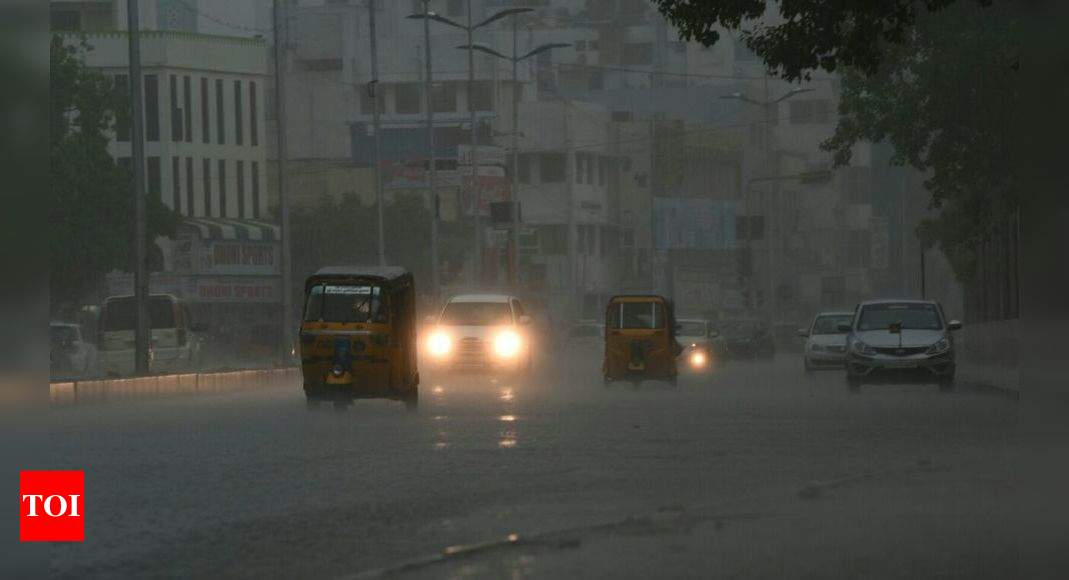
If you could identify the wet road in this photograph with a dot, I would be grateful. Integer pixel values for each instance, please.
(254, 483)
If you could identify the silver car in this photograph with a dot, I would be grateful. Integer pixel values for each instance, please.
(900, 340)
(825, 343)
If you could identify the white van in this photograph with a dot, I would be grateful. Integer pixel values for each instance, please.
(173, 347)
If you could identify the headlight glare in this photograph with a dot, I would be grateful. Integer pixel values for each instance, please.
(507, 344)
(439, 344)
(698, 359)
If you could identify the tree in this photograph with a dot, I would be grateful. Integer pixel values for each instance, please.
(934, 78)
(91, 224)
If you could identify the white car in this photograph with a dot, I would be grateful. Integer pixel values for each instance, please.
(488, 332)
(70, 354)
(900, 340)
(825, 343)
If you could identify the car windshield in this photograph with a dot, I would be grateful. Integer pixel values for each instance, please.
(636, 315)
(476, 314)
(691, 328)
(62, 333)
(829, 323)
(121, 313)
(911, 315)
(344, 303)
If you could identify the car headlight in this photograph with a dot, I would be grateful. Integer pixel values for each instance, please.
(439, 344)
(507, 344)
(862, 348)
(698, 359)
(942, 345)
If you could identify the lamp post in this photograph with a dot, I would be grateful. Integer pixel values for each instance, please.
(769, 109)
(515, 60)
(470, 29)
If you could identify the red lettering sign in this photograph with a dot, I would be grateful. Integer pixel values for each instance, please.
(51, 506)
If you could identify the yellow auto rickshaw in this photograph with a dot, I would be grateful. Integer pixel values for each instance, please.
(358, 335)
(640, 341)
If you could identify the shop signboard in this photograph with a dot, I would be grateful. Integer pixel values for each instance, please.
(239, 257)
(682, 223)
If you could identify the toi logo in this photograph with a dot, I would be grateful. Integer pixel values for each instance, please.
(51, 506)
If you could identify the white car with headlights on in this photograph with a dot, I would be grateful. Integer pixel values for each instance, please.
(898, 341)
(479, 332)
(825, 343)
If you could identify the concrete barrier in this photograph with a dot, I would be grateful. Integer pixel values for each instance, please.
(117, 389)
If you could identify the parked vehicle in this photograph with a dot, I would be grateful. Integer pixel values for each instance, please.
(174, 345)
(481, 332)
(69, 352)
(640, 341)
(746, 339)
(358, 336)
(825, 344)
(900, 340)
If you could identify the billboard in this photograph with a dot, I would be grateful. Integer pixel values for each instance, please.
(685, 223)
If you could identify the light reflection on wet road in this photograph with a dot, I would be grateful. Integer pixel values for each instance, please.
(254, 483)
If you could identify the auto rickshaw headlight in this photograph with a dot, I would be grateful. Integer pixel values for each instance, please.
(507, 344)
(439, 344)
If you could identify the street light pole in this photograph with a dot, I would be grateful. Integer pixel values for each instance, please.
(280, 37)
(137, 142)
(514, 262)
(376, 128)
(476, 266)
(431, 169)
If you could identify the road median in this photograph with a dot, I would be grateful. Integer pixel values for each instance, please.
(65, 393)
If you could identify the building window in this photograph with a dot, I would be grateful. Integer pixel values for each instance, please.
(580, 167)
(551, 167)
(155, 180)
(187, 107)
(596, 80)
(65, 21)
(636, 53)
(176, 112)
(152, 108)
(482, 96)
(239, 116)
(407, 98)
(591, 160)
(220, 114)
(254, 111)
(603, 170)
(189, 186)
(122, 122)
(176, 184)
(205, 117)
(206, 177)
(239, 173)
(255, 190)
(445, 97)
(222, 188)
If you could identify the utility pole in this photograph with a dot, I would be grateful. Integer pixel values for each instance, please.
(431, 169)
(572, 234)
(137, 141)
(476, 267)
(281, 37)
(770, 202)
(514, 258)
(924, 275)
(374, 85)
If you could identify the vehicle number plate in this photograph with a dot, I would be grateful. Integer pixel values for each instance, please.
(902, 364)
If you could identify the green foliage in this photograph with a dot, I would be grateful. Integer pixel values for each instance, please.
(947, 103)
(813, 34)
(935, 78)
(91, 217)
